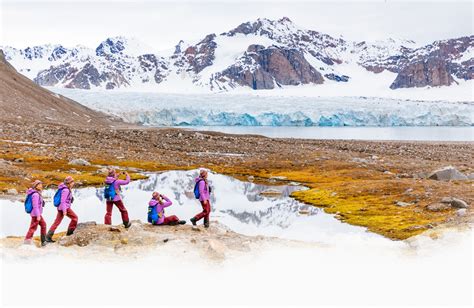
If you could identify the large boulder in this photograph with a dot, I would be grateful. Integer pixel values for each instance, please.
(446, 174)
(79, 162)
(455, 202)
(438, 207)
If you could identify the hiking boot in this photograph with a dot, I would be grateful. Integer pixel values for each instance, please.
(69, 232)
(206, 225)
(182, 222)
(127, 224)
(43, 239)
(49, 237)
(193, 221)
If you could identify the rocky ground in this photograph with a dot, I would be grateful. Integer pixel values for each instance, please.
(380, 185)
(215, 244)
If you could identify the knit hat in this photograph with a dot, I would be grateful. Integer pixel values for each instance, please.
(35, 183)
(68, 180)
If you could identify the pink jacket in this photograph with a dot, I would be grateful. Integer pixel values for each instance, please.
(117, 185)
(203, 189)
(160, 208)
(37, 202)
(66, 197)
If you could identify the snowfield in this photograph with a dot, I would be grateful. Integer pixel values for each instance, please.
(224, 109)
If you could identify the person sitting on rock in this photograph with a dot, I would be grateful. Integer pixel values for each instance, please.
(35, 199)
(113, 197)
(156, 211)
(64, 209)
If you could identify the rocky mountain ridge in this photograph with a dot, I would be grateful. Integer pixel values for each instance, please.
(262, 54)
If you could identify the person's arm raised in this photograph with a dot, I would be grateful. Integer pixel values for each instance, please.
(124, 182)
(167, 201)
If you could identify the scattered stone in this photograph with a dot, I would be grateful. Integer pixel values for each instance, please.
(12, 191)
(124, 241)
(304, 212)
(408, 191)
(447, 200)
(360, 160)
(165, 240)
(437, 207)
(447, 174)
(19, 160)
(455, 202)
(250, 178)
(79, 162)
(403, 204)
(458, 203)
(115, 229)
(103, 170)
(5, 162)
(461, 212)
(294, 184)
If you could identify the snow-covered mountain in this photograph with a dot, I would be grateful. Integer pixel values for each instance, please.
(263, 54)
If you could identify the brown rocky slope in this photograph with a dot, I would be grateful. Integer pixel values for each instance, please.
(22, 100)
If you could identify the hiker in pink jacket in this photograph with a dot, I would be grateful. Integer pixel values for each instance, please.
(113, 179)
(64, 209)
(156, 211)
(36, 213)
(204, 198)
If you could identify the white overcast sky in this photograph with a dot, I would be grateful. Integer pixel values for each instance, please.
(162, 24)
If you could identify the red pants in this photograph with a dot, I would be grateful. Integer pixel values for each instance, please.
(34, 225)
(170, 220)
(59, 217)
(122, 209)
(206, 210)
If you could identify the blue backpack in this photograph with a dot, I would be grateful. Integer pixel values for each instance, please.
(197, 194)
(57, 197)
(29, 202)
(109, 192)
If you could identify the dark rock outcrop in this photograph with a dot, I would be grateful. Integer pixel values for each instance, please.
(430, 72)
(201, 55)
(434, 64)
(262, 68)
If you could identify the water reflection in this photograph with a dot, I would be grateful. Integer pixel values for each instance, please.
(242, 206)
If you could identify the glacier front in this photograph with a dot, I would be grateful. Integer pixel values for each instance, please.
(164, 109)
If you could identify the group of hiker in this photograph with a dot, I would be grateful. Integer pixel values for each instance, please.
(63, 200)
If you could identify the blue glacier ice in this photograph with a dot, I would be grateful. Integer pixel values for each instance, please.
(160, 109)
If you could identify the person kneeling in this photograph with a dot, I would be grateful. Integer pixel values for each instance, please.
(156, 211)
